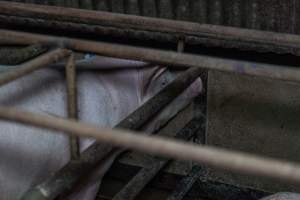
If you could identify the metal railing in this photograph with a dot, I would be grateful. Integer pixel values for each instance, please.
(117, 140)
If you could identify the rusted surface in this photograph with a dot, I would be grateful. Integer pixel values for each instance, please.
(104, 23)
(72, 103)
(158, 56)
(67, 177)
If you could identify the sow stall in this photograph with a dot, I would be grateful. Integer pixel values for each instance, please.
(155, 41)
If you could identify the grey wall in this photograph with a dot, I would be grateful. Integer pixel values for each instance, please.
(254, 115)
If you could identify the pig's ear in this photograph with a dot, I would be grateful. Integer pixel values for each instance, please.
(283, 196)
(150, 80)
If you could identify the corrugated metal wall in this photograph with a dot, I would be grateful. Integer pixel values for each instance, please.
(276, 15)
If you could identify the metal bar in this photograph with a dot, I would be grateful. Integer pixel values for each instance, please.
(146, 174)
(180, 46)
(35, 64)
(158, 56)
(68, 176)
(200, 32)
(72, 103)
(243, 163)
(184, 186)
(130, 33)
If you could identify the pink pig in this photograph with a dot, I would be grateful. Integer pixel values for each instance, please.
(105, 97)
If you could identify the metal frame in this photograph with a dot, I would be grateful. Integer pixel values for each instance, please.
(217, 158)
(116, 140)
(144, 28)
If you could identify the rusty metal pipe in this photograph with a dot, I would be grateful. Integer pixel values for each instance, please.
(68, 176)
(72, 103)
(158, 56)
(201, 31)
(211, 156)
(34, 64)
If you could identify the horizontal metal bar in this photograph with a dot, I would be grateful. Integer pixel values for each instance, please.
(193, 32)
(68, 176)
(243, 163)
(157, 56)
(35, 64)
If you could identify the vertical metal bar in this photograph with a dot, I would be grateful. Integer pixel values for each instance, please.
(72, 103)
(180, 46)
